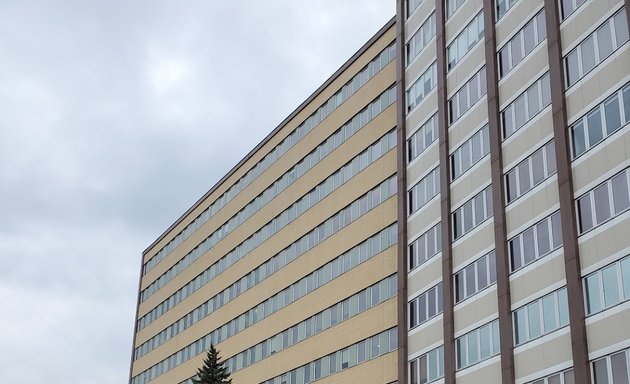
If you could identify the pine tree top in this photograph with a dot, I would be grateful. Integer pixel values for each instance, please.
(213, 370)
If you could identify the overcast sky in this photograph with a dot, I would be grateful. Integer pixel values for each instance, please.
(115, 117)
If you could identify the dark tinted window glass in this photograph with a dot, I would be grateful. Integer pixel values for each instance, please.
(585, 213)
(595, 133)
(619, 368)
(602, 203)
(613, 115)
(620, 192)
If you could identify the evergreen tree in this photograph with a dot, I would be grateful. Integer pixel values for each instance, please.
(213, 370)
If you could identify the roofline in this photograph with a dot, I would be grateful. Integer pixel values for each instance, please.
(264, 141)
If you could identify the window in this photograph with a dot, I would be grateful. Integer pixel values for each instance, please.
(425, 247)
(567, 7)
(502, 6)
(428, 367)
(612, 368)
(608, 37)
(470, 153)
(369, 348)
(422, 138)
(412, 5)
(421, 38)
(535, 242)
(387, 142)
(452, 6)
(541, 317)
(530, 172)
(465, 41)
(347, 90)
(477, 345)
(565, 377)
(424, 190)
(467, 96)
(472, 213)
(607, 287)
(425, 306)
(475, 277)
(527, 105)
(421, 88)
(607, 200)
(600, 122)
(523, 42)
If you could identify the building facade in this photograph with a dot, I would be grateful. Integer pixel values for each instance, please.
(289, 264)
(452, 205)
(516, 163)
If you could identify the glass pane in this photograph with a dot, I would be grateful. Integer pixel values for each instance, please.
(495, 337)
(523, 177)
(625, 275)
(413, 320)
(512, 190)
(600, 371)
(465, 151)
(593, 300)
(602, 203)
(423, 370)
(605, 40)
(520, 326)
(430, 297)
(542, 233)
(493, 267)
(588, 54)
(476, 148)
(578, 139)
(612, 114)
(538, 167)
(462, 360)
(555, 379)
(473, 352)
(504, 64)
(569, 377)
(556, 230)
(567, 8)
(459, 287)
(529, 253)
(468, 216)
(550, 148)
(620, 192)
(572, 68)
(517, 50)
(480, 213)
(546, 90)
(626, 103)
(507, 121)
(585, 213)
(542, 27)
(619, 366)
(520, 112)
(621, 28)
(595, 133)
(534, 320)
(485, 340)
(549, 313)
(529, 35)
(611, 285)
(482, 273)
(470, 280)
(515, 254)
(533, 101)
(563, 307)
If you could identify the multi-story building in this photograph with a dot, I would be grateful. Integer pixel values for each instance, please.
(289, 263)
(452, 205)
(517, 222)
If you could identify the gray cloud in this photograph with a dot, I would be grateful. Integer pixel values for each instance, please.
(115, 116)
